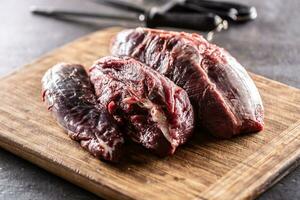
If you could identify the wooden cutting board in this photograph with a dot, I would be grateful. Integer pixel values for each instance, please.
(205, 168)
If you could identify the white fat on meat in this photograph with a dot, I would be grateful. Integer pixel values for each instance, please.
(160, 118)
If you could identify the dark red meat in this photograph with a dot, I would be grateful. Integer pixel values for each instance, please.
(152, 109)
(224, 96)
(69, 95)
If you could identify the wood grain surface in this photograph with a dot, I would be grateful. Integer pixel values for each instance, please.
(205, 168)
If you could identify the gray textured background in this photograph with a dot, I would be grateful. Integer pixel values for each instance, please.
(269, 46)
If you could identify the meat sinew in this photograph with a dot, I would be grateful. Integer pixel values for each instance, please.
(225, 98)
(152, 109)
(69, 95)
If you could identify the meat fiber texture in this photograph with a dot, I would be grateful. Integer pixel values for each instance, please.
(225, 98)
(126, 95)
(70, 96)
(152, 109)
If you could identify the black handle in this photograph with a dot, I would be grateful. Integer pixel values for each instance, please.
(243, 12)
(229, 14)
(200, 22)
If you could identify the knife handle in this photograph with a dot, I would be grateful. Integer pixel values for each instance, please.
(243, 12)
(200, 22)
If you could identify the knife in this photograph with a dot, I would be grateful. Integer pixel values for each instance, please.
(152, 18)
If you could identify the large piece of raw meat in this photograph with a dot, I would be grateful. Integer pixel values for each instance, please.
(70, 96)
(224, 96)
(152, 109)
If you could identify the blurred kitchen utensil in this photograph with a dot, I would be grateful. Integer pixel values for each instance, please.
(200, 15)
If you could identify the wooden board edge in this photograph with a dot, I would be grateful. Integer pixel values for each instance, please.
(284, 172)
(62, 171)
(54, 51)
(234, 185)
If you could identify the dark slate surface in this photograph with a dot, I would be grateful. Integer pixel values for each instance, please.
(269, 46)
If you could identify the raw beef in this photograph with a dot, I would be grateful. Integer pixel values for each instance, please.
(69, 95)
(224, 96)
(152, 109)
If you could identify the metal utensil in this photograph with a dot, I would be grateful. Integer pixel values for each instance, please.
(152, 18)
(201, 15)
